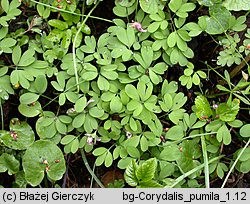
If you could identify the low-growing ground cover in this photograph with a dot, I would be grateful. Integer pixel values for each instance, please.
(124, 93)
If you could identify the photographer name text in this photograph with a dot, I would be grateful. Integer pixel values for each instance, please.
(47, 196)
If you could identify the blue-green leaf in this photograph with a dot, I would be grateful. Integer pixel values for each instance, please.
(150, 6)
(237, 5)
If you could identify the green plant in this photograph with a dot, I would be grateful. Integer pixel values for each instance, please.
(243, 164)
(116, 184)
(124, 94)
(241, 90)
(5, 87)
(142, 175)
(224, 113)
(191, 77)
(236, 5)
(228, 56)
(39, 156)
(243, 153)
(11, 11)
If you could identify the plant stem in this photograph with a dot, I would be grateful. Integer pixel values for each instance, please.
(74, 45)
(237, 69)
(70, 12)
(91, 182)
(54, 99)
(90, 170)
(235, 162)
(51, 100)
(185, 138)
(46, 97)
(83, 9)
(205, 158)
(247, 13)
(180, 178)
(232, 91)
(58, 111)
(245, 108)
(1, 111)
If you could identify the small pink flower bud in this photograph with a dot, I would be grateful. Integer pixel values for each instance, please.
(215, 106)
(90, 140)
(138, 26)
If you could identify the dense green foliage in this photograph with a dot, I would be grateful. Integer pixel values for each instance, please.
(113, 95)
